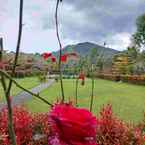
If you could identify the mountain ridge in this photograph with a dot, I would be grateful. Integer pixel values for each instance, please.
(85, 48)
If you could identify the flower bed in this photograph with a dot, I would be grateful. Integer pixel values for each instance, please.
(68, 125)
(133, 79)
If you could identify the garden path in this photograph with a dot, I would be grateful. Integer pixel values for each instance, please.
(24, 96)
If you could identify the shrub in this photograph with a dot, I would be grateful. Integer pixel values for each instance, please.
(133, 79)
(40, 124)
(22, 126)
(124, 78)
(41, 129)
(112, 131)
(30, 129)
(64, 126)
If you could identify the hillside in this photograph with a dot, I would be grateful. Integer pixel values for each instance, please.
(85, 48)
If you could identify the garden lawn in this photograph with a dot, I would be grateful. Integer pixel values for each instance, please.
(27, 82)
(128, 100)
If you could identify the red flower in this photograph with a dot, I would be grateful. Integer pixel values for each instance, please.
(64, 58)
(46, 55)
(73, 125)
(53, 59)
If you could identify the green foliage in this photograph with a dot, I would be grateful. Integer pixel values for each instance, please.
(132, 53)
(135, 59)
(139, 36)
(42, 78)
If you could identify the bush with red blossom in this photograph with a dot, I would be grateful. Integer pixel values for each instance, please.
(72, 126)
(68, 125)
(140, 130)
(112, 131)
(41, 124)
(41, 129)
(22, 120)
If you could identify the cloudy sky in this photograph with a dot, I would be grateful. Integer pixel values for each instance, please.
(96, 21)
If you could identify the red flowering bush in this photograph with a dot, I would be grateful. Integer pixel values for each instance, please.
(41, 129)
(112, 131)
(138, 137)
(41, 124)
(70, 125)
(140, 131)
(22, 125)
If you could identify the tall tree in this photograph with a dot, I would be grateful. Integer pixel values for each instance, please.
(133, 53)
(139, 36)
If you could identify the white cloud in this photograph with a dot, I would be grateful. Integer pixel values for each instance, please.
(119, 41)
(79, 21)
(32, 40)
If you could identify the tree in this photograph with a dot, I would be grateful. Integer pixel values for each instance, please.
(139, 36)
(133, 53)
(93, 55)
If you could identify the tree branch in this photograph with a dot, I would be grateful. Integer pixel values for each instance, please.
(18, 44)
(18, 85)
(1, 60)
(7, 92)
(60, 51)
(92, 93)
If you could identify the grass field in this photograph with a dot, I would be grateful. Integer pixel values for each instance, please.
(128, 100)
(27, 82)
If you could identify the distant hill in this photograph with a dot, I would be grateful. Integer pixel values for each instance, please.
(84, 49)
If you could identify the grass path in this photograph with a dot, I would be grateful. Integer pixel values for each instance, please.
(23, 97)
(128, 100)
(28, 82)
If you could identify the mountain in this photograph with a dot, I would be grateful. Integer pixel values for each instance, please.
(84, 49)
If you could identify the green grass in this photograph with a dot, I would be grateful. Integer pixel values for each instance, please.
(28, 82)
(128, 100)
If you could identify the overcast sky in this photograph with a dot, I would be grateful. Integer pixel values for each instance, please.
(96, 21)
